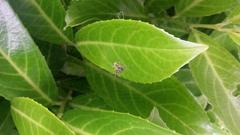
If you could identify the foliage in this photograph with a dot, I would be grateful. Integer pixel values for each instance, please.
(119, 67)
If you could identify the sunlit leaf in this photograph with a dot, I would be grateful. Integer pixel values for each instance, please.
(135, 50)
(32, 118)
(87, 121)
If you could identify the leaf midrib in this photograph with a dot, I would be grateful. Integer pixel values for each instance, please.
(32, 120)
(225, 90)
(51, 23)
(125, 45)
(221, 82)
(25, 77)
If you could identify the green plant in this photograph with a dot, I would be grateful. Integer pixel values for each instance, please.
(111, 67)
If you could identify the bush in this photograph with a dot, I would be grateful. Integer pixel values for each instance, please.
(111, 67)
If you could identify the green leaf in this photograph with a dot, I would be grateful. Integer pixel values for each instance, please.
(82, 11)
(235, 36)
(44, 19)
(224, 40)
(87, 121)
(196, 8)
(32, 118)
(157, 6)
(175, 104)
(23, 70)
(217, 74)
(135, 50)
(185, 76)
(6, 123)
(177, 27)
(234, 16)
(89, 100)
(55, 56)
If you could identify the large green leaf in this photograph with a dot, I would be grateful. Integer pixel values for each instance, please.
(86, 11)
(44, 19)
(202, 7)
(87, 121)
(32, 118)
(217, 73)
(146, 54)
(175, 104)
(23, 70)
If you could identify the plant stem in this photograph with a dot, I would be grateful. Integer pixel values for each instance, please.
(64, 103)
(208, 26)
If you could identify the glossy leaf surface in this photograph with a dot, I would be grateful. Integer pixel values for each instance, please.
(23, 70)
(44, 19)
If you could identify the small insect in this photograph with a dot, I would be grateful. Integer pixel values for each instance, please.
(118, 68)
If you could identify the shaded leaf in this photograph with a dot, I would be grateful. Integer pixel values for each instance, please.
(73, 66)
(75, 84)
(32, 118)
(185, 76)
(23, 70)
(175, 104)
(44, 19)
(157, 6)
(82, 11)
(89, 100)
(87, 121)
(135, 50)
(202, 7)
(6, 123)
(55, 56)
(217, 74)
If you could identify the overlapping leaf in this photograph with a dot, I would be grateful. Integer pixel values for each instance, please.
(44, 19)
(217, 74)
(143, 52)
(157, 6)
(202, 7)
(32, 118)
(176, 105)
(23, 70)
(6, 123)
(86, 11)
(89, 100)
(88, 121)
